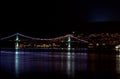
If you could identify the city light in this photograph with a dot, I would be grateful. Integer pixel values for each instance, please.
(92, 40)
(117, 47)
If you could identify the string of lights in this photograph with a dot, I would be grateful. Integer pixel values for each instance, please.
(29, 37)
(7, 37)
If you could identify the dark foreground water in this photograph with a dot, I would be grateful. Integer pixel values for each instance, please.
(83, 64)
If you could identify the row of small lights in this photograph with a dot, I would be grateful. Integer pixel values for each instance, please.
(42, 38)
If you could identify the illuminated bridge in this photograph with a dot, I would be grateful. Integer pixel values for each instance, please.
(24, 41)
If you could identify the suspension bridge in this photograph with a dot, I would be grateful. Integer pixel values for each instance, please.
(23, 41)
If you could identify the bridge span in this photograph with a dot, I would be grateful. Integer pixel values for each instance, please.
(24, 41)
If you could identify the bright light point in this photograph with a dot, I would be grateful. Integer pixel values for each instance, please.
(17, 45)
(17, 38)
(68, 45)
(116, 47)
(68, 52)
(16, 51)
(68, 38)
(73, 32)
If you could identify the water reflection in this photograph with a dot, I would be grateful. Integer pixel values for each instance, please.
(68, 62)
(25, 62)
(72, 63)
(16, 63)
(118, 62)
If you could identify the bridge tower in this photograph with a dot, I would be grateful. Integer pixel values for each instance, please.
(17, 43)
(69, 41)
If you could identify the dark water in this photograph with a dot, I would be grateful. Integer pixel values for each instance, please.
(59, 65)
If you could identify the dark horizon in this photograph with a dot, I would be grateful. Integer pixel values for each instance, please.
(87, 28)
(55, 18)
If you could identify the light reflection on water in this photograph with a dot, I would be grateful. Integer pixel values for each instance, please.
(70, 63)
(118, 62)
(29, 61)
(16, 62)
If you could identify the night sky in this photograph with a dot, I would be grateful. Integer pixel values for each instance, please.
(54, 18)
